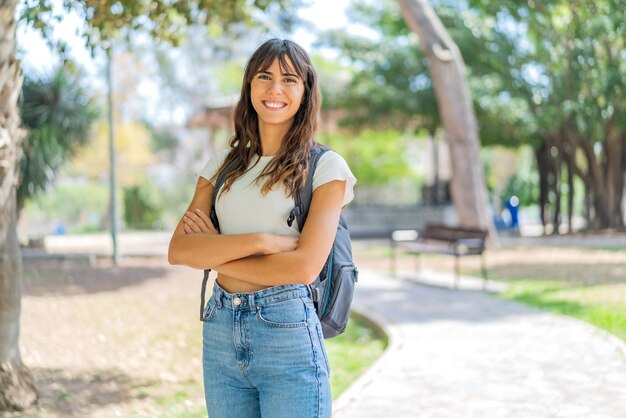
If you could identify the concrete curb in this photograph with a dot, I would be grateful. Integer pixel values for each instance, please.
(394, 341)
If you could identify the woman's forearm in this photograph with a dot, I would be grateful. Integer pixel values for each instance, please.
(206, 250)
(272, 270)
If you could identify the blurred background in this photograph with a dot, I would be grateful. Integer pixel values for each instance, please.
(547, 100)
(154, 82)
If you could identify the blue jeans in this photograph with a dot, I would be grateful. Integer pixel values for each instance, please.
(263, 355)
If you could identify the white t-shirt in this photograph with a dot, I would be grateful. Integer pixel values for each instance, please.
(243, 209)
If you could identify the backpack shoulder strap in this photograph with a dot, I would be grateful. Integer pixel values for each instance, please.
(218, 183)
(304, 195)
(213, 216)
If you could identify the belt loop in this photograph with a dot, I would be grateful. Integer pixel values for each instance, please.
(251, 302)
(218, 297)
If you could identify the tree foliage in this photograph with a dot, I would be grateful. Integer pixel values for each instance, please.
(143, 205)
(134, 154)
(391, 84)
(375, 157)
(547, 73)
(162, 19)
(572, 58)
(58, 112)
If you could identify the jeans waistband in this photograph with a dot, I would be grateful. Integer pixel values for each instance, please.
(252, 300)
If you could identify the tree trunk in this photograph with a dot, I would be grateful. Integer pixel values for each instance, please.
(569, 158)
(570, 194)
(614, 179)
(622, 184)
(555, 168)
(556, 190)
(572, 143)
(543, 164)
(599, 189)
(604, 178)
(17, 391)
(447, 71)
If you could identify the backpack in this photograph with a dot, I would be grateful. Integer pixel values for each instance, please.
(333, 289)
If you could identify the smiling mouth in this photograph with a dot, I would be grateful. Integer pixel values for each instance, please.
(273, 105)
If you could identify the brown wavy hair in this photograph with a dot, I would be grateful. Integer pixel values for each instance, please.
(291, 164)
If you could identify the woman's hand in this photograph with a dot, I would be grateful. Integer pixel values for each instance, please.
(198, 222)
(274, 243)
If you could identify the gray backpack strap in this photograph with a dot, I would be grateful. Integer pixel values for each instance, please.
(213, 216)
(303, 202)
(304, 195)
(218, 183)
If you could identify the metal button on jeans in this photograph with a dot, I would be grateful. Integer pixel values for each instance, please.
(236, 301)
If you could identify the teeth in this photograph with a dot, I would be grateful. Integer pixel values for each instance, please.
(274, 105)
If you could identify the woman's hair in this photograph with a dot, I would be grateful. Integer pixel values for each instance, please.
(290, 166)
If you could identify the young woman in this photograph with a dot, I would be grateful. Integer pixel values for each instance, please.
(263, 350)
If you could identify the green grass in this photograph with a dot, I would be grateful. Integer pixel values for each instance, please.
(613, 249)
(173, 400)
(352, 352)
(598, 305)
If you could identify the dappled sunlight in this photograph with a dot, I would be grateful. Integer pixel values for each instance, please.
(77, 394)
(134, 321)
(59, 276)
(604, 293)
(578, 266)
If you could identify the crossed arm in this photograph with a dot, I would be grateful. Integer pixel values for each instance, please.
(259, 258)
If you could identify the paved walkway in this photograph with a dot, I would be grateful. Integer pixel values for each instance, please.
(463, 353)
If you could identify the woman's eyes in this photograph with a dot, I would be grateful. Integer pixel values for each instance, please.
(288, 80)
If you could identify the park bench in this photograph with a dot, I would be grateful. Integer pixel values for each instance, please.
(441, 239)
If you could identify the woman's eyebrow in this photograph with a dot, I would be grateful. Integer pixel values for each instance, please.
(284, 74)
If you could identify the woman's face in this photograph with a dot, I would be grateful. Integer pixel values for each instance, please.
(276, 95)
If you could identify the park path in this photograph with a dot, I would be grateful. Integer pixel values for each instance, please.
(464, 353)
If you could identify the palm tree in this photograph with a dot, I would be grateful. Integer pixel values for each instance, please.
(58, 113)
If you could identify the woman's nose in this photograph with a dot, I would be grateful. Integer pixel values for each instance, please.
(274, 86)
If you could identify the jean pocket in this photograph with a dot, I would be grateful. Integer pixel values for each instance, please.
(290, 313)
(210, 310)
(320, 338)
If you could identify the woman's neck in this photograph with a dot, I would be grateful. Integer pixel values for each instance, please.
(272, 137)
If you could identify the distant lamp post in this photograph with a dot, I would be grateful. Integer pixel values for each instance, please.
(114, 217)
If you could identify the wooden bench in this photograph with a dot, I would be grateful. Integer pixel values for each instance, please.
(441, 239)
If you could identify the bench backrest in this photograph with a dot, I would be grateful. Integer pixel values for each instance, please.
(451, 234)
